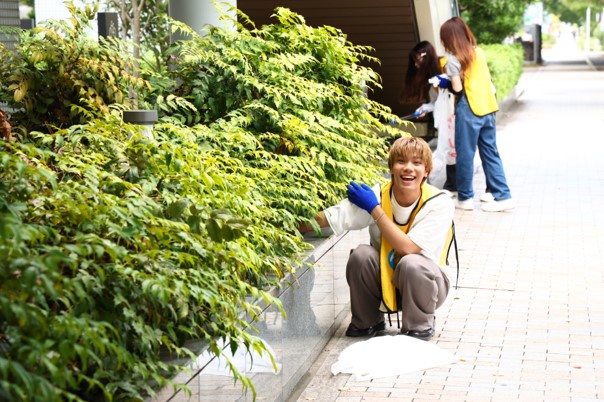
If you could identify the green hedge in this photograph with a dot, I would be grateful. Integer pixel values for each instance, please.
(506, 63)
(115, 247)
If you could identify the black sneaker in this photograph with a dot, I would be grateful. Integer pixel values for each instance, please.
(354, 332)
(424, 335)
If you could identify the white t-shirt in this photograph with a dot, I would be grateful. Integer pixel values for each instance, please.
(429, 229)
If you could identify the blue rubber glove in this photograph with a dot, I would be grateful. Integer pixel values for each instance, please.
(362, 196)
(440, 81)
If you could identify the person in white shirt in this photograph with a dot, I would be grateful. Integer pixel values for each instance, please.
(410, 225)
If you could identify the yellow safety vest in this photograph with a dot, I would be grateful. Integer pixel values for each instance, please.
(388, 258)
(442, 61)
(478, 86)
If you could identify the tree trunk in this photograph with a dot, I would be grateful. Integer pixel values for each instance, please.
(136, 32)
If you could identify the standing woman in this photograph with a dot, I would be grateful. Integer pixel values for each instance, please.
(474, 117)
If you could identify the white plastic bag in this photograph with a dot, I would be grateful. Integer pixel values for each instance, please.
(444, 122)
(438, 175)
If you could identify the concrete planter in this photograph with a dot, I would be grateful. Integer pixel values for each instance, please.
(316, 304)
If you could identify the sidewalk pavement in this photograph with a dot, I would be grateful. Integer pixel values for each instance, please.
(527, 321)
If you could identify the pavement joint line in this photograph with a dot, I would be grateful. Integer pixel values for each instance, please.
(484, 288)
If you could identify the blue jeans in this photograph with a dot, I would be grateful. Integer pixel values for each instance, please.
(472, 131)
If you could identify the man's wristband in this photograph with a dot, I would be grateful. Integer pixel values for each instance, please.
(379, 217)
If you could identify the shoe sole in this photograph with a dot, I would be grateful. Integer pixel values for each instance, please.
(422, 338)
(502, 209)
(497, 210)
(370, 331)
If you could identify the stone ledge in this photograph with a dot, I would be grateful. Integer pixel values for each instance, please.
(315, 304)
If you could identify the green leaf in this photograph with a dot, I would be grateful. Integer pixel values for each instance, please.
(177, 208)
(214, 230)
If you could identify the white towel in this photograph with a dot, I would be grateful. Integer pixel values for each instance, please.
(385, 356)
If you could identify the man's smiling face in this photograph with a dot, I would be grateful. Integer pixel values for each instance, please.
(408, 173)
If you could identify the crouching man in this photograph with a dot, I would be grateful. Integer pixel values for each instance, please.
(411, 226)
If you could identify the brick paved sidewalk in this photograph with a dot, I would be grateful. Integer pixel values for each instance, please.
(527, 322)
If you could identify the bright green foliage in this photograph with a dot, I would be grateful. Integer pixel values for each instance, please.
(112, 249)
(115, 247)
(505, 64)
(58, 73)
(492, 21)
(289, 98)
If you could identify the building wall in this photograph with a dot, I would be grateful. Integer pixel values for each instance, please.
(57, 10)
(389, 26)
(198, 14)
(430, 16)
(9, 17)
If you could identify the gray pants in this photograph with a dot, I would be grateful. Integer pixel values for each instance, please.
(421, 284)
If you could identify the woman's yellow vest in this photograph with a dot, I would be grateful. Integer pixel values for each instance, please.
(478, 86)
(442, 61)
(388, 258)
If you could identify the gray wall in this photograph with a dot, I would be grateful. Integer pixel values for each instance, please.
(9, 17)
(198, 14)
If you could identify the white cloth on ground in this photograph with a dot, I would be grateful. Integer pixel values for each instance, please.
(386, 356)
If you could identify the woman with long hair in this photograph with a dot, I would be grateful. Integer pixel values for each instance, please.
(423, 64)
(474, 117)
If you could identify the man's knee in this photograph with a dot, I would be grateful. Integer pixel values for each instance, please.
(362, 254)
(411, 267)
(362, 258)
(411, 261)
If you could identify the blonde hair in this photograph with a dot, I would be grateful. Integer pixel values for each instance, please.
(408, 148)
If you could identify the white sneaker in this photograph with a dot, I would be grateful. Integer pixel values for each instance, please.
(487, 197)
(452, 194)
(466, 205)
(499, 206)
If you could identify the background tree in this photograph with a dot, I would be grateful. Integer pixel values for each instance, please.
(573, 11)
(29, 3)
(493, 21)
(144, 23)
